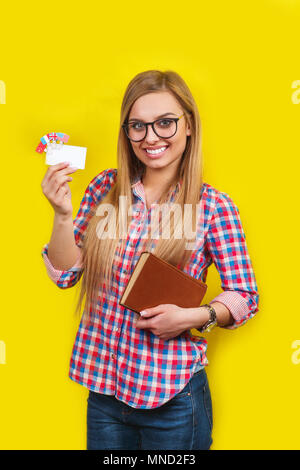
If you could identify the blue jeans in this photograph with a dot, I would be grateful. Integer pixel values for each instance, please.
(184, 422)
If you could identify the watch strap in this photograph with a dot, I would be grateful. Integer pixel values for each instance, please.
(212, 318)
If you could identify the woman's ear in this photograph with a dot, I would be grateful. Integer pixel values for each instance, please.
(188, 129)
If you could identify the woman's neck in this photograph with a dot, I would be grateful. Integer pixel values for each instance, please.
(157, 179)
(155, 182)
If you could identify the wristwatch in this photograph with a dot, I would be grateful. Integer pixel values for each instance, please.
(212, 319)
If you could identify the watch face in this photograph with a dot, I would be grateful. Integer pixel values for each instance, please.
(211, 325)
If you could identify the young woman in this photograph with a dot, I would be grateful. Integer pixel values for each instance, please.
(146, 376)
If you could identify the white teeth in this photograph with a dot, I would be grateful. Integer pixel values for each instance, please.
(156, 151)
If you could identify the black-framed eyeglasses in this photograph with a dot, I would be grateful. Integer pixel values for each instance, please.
(163, 127)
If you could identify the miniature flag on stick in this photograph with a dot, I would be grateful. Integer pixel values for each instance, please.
(56, 152)
(51, 137)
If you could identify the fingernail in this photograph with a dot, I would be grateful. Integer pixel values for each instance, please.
(143, 312)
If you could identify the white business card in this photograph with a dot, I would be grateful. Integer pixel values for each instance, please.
(58, 153)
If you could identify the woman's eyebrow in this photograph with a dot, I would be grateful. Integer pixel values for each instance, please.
(162, 115)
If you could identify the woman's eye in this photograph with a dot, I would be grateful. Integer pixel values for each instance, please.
(137, 126)
(164, 122)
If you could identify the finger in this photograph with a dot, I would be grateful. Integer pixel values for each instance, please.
(52, 169)
(59, 173)
(57, 182)
(62, 191)
(51, 175)
(148, 312)
(70, 169)
(58, 178)
(143, 323)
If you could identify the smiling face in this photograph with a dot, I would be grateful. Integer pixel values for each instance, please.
(148, 108)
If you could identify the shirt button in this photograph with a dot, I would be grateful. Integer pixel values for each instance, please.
(113, 356)
(116, 329)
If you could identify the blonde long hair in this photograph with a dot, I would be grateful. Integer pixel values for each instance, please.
(99, 254)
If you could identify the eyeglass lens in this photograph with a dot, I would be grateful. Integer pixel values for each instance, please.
(164, 128)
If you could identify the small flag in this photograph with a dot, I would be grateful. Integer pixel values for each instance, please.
(41, 147)
(51, 137)
(65, 138)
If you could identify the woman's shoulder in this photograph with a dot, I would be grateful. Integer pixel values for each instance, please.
(102, 182)
(106, 176)
(213, 196)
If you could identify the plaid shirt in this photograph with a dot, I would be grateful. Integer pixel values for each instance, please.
(111, 356)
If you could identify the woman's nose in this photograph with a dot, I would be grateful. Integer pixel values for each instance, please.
(151, 136)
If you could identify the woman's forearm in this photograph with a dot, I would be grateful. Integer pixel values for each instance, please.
(62, 249)
(199, 316)
(224, 317)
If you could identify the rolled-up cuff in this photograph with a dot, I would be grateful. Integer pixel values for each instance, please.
(55, 274)
(235, 303)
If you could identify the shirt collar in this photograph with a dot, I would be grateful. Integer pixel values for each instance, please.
(138, 183)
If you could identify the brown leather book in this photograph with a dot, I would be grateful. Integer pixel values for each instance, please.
(154, 282)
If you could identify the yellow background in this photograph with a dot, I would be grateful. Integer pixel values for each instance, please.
(66, 67)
